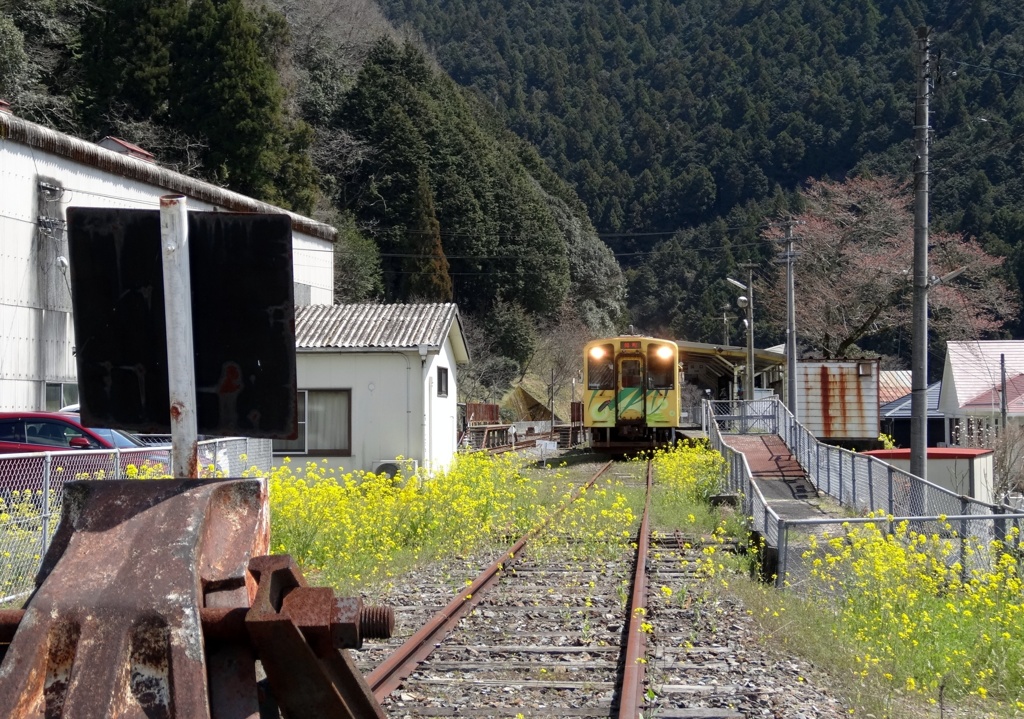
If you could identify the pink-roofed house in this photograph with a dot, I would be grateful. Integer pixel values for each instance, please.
(971, 396)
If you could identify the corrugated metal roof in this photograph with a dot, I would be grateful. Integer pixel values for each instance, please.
(376, 326)
(894, 384)
(900, 408)
(990, 399)
(16, 129)
(975, 365)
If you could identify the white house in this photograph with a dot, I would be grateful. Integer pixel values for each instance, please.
(42, 173)
(377, 383)
(971, 397)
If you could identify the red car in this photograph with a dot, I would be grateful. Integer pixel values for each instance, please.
(33, 433)
(55, 431)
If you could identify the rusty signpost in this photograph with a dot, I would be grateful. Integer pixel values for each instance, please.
(157, 599)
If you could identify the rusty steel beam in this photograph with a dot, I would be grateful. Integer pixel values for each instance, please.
(156, 599)
(113, 628)
(390, 674)
(297, 631)
(631, 698)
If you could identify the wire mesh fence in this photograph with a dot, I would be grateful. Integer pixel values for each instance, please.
(32, 491)
(862, 483)
(811, 551)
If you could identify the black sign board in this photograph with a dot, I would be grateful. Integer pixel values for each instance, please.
(243, 321)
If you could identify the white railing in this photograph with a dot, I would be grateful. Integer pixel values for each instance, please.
(862, 483)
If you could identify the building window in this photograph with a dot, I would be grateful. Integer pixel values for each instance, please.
(325, 424)
(442, 381)
(59, 395)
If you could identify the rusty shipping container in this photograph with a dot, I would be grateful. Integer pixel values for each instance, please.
(839, 399)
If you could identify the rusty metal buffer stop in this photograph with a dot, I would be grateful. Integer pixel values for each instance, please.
(156, 599)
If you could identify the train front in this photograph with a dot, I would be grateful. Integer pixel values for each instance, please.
(631, 392)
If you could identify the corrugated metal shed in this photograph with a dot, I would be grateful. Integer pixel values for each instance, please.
(894, 384)
(379, 326)
(839, 398)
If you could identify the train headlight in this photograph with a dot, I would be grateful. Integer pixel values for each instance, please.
(597, 352)
(664, 352)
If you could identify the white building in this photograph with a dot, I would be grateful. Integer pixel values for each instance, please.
(972, 381)
(967, 472)
(42, 173)
(377, 383)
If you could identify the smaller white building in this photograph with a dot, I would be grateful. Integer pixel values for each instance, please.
(968, 472)
(377, 383)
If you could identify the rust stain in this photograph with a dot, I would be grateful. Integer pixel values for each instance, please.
(826, 402)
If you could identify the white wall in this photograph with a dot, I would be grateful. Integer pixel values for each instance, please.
(35, 342)
(441, 435)
(386, 401)
(955, 474)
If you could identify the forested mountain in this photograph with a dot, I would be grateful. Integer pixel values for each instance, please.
(700, 119)
(679, 128)
(321, 108)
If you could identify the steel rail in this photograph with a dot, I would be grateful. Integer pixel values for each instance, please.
(631, 697)
(390, 674)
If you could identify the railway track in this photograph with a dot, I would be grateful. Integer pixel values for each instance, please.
(544, 632)
(557, 636)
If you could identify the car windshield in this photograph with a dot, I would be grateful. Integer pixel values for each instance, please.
(118, 438)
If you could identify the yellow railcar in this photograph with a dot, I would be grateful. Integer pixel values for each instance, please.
(631, 396)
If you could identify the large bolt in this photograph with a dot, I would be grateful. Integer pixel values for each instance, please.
(377, 622)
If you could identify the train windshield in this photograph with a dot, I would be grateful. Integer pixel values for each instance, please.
(631, 373)
(661, 367)
(601, 367)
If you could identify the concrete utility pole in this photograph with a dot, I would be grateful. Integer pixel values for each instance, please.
(750, 333)
(919, 357)
(788, 256)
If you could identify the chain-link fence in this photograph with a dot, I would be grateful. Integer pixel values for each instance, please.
(32, 491)
(862, 483)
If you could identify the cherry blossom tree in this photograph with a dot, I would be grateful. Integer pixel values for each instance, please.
(854, 270)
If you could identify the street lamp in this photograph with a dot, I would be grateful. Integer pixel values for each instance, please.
(747, 302)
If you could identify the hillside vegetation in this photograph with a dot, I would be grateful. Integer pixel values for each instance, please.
(474, 161)
(701, 119)
(321, 108)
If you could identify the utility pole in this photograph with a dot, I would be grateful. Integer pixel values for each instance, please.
(788, 256)
(919, 358)
(1002, 394)
(725, 324)
(750, 333)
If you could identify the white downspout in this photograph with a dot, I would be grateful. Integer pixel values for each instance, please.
(425, 388)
